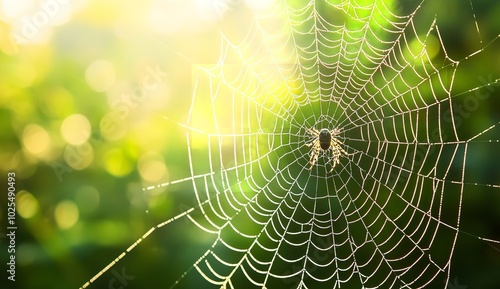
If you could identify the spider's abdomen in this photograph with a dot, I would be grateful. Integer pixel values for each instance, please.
(325, 139)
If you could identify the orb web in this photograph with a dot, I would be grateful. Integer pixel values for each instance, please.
(388, 215)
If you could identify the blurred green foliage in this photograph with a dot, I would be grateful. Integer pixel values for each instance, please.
(88, 117)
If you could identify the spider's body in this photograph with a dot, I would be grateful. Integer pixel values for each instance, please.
(325, 140)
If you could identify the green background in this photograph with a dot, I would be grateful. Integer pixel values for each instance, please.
(45, 82)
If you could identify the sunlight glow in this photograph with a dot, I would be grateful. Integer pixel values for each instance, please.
(260, 5)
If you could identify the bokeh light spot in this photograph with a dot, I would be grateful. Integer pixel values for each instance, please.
(100, 75)
(75, 129)
(432, 46)
(26, 204)
(36, 140)
(417, 49)
(66, 214)
(152, 167)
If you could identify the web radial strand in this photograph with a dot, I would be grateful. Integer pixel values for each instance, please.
(387, 216)
(375, 221)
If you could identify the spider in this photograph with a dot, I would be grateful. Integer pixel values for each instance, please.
(325, 140)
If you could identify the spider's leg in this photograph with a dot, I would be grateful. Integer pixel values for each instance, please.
(337, 152)
(335, 161)
(342, 151)
(312, 143)
(313, 131)
(339, 144)
(315, 149)
(314, 153)
(337, 141)
(335, 132)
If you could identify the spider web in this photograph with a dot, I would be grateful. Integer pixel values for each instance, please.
(389, 214)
